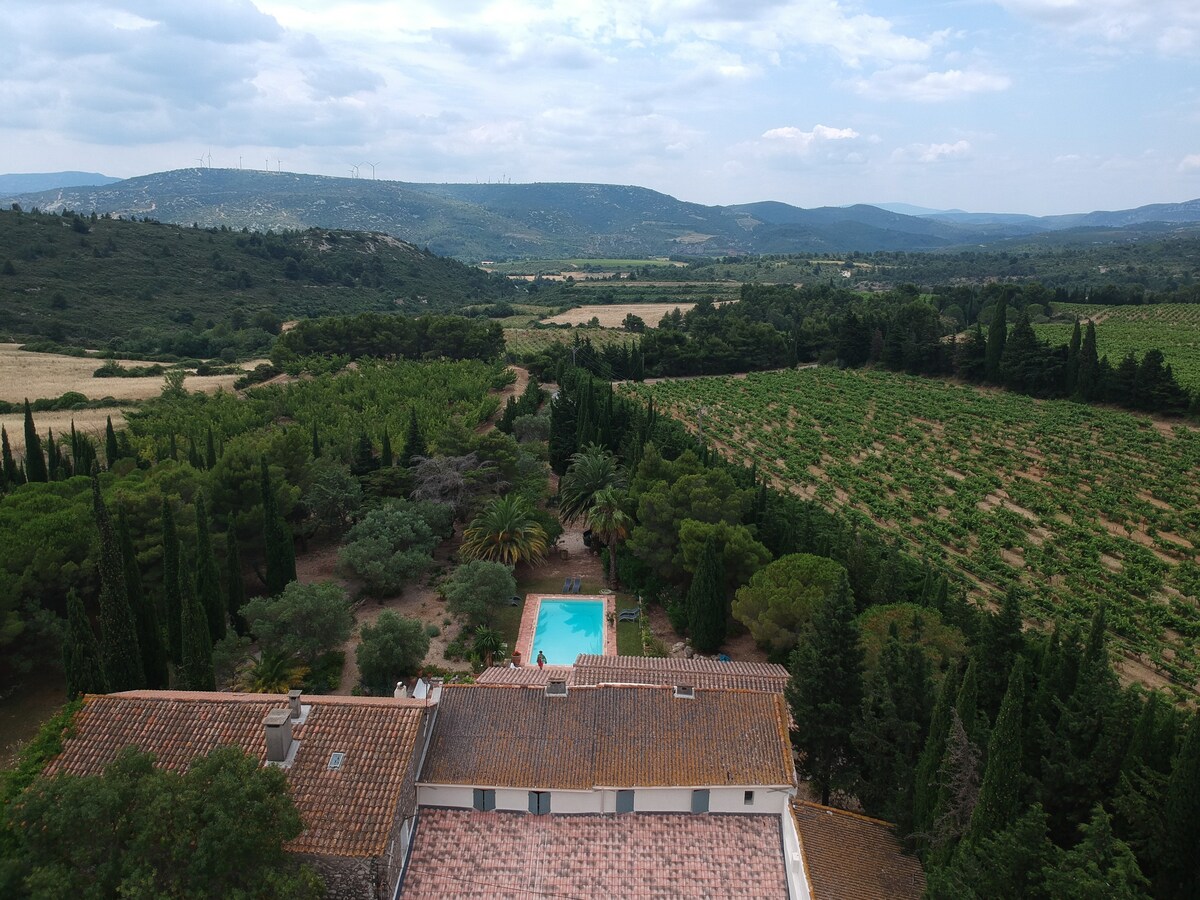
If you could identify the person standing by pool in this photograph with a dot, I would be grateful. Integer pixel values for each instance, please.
(541, 660)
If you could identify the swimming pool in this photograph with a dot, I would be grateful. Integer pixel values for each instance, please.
(566, 628)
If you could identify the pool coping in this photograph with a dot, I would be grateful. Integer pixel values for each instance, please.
(529, 617)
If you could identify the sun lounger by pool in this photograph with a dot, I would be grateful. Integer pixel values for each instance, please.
(629, 615)
(566, 585)
(578, 584)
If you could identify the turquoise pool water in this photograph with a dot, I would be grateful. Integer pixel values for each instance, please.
(566, 628)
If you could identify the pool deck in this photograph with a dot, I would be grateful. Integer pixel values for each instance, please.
(529, 618)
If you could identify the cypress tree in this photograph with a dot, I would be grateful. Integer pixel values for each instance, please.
(54, 461)
(925, 780)
(966, 704)
(194, 455)
(1180, 873)
(281, 552)
(81, 653)
(706, 600)
(414, 441)
(316, 443)
(1002, 641)
(235, 587)
(364, 461)
(210, 450)
(171, 605)
(1087, 381)
(208, 577)
(1000, 792)
(1071, 376)
(111, 452)
(386, 458)
(826, 693)
(35, 462)
(120, 655)
(195, 672)
(172, 447)
(150, 638)
(12, 472)
(996, 339)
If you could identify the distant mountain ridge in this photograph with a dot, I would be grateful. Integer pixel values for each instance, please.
(24, 182)
(550, 220)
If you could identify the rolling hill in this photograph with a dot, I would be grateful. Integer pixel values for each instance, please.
(504, 221)
(83, 279)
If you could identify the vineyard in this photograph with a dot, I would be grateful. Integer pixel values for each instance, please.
(1076, 504)
(1173, 328)
(522, 342)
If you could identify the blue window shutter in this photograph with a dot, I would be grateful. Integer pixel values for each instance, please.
(624, 801)
(700, 800)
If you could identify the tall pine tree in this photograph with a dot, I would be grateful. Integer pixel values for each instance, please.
(208, 576)
(414, 441)
(195, 672)
(35, 460)
(150, 636)
(1000, 792)
(706, 600)
(81, 653)
(13, 474)
(235, 587)
(996, 339)
(281, 552)
(172, 609)
(1180, 873)
(826, 693)
(119, 652)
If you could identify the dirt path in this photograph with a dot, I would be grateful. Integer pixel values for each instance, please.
(514, 390)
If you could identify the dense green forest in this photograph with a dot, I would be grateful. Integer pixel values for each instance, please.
(149, 288)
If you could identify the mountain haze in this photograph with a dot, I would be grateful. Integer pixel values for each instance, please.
(499, 221)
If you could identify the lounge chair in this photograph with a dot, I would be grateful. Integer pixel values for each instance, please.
(629, 615)
(578, 584)
(514, 601)
(566, 585)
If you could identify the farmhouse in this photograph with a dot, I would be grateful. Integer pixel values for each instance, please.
(351, 763)
(610, 789)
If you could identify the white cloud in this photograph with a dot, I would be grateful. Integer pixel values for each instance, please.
(1168, 26)
(918, 84)
(792, 140)
(1189, 162)
(933, 153)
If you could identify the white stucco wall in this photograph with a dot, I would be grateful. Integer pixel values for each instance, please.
(721, 800)
(792, 860)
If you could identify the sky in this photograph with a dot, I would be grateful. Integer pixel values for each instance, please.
(1033, 106)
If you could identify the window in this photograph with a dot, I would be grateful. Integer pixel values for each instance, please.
(700, 800)
(624, 801)
(539, 802)
(748, 798)
(485, 799)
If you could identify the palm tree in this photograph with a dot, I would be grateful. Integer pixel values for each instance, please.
(610, 523)
(272, 673)
(487, 643)
(507, 531)
(592, 469)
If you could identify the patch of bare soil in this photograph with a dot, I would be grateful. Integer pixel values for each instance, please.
(513, 390)
(419, 601)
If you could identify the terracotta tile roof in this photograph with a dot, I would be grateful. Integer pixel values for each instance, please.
(348, 811)
(701, 673)
(852, 857)
(527, 675)
(468, 854)
(614, 736)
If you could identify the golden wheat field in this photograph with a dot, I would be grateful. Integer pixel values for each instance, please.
(45, 375)
(612, 316)
(89, 421)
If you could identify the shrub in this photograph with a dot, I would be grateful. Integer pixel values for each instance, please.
(391, 649)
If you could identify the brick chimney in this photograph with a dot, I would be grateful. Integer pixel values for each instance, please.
(278, 726)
